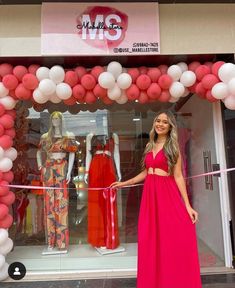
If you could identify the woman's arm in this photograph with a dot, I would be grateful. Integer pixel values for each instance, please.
(139, 178)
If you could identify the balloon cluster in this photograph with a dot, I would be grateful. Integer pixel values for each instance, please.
(6, 245)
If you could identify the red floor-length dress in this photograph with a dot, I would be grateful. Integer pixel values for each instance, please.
(102, 203)
(167, 244)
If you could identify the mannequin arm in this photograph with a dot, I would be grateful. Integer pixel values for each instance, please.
(116, 156)
(70, 166)
(39, 160)
(88, 156)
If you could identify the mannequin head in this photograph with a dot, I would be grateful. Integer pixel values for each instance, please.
(56, 125)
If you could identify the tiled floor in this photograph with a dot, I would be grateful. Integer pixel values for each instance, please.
(209, 281)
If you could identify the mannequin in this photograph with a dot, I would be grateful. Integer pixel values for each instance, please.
(54, 147)
(102, 166)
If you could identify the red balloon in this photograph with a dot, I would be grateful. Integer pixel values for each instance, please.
(22, 93)
(8, 176)
(6, 141)
(143, 70)
(7, 121)
(6, 222)
(30, 81)
(209, 80)
(8, 199)
(154, 91)
(134, 73)
(208, 64)
(193, 66)
(79, 92)
(143, 97)
(71, 101)
(215, 67)
(12, 94)
(2, 109)
(133, 92)
(5, 69)
(201, 71)
(154, 74)
(2, 130)
(200, 90)
(81, 71)
(163, 68)
(33, 68)
(19, 71)
(99, 91)
(107, 100)
(143, 82)
(96, 71)
(192, 89)
(10, 81)
(4, 189)
(4, 210)
(88, 81)
(165, 81)
(71, 78)
(210, 98)
(90, 97)
(10, 132)
(165, 96)
(12, 113)
(1, 176)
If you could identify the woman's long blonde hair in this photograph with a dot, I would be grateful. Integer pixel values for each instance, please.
(171, 146)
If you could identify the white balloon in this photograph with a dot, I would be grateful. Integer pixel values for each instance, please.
(123, 99)
(177, 89)
(115, 68)
(174, 71)
(231, 86)
(39, 97)
(106, 80)
(42, 73)
(2, 261)
(5, 164)
(11, 153)
(226, 72)
(183, 66)
(173, 99)
(1, 152)
(220, 90)
(8, 102)
(57, 74)
(124, 81)
(186, 92)
(3, 236)
(6, 247)
(47, 86)
(4, 272)
(229, 102)
(188, 78)
(114, 93)
(54, 98)
(3, 90)
(63, 91)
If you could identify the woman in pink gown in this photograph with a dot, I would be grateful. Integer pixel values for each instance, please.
(167, 244)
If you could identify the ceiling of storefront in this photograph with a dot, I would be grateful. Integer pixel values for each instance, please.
(12, 2)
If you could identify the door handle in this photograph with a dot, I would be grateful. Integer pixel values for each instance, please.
(207, 169)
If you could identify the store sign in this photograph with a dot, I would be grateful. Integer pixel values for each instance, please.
(100, 29)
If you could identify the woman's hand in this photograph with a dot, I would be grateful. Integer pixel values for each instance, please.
(192, 213)
(117, 184)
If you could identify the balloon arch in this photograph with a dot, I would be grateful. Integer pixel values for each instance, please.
(210, 81)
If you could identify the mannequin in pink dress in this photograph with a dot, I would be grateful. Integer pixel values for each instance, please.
(167, 244)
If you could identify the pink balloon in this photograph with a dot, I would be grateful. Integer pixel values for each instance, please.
(193, 66)
(71, 101)
(90, 97)
(81, 71)
(30, 81)
(19, 71)
(143, 70)
(2, 109)
(201, 71)
(7, 121)
(165, 81)
(209, 80)
(163, 68)
(200, 90)
(143, 98)
(8, 199)
(88, 81)
(10, 132)
(5, 69)
(215, 67)
(71, 78)
(4, 189)
(12, 113)
(107, 100)
(33, 68)
(8, 176)
(192, 89)
(99, 91)
(154, 91)
(165, 96)
(154, 74)
(133, 92)
(134, 73)
(2, 130)
(22, 93)
(143, 82)
(96, 71)
(208, 64)
(6, 222)
(12, 94)
(6, 141)
(10, 81)
(210, 98)
(79, 92)
(4, 210)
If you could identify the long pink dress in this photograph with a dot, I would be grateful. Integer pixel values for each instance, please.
(167, 244)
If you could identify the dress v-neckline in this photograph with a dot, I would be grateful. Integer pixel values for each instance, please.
(154, 157)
